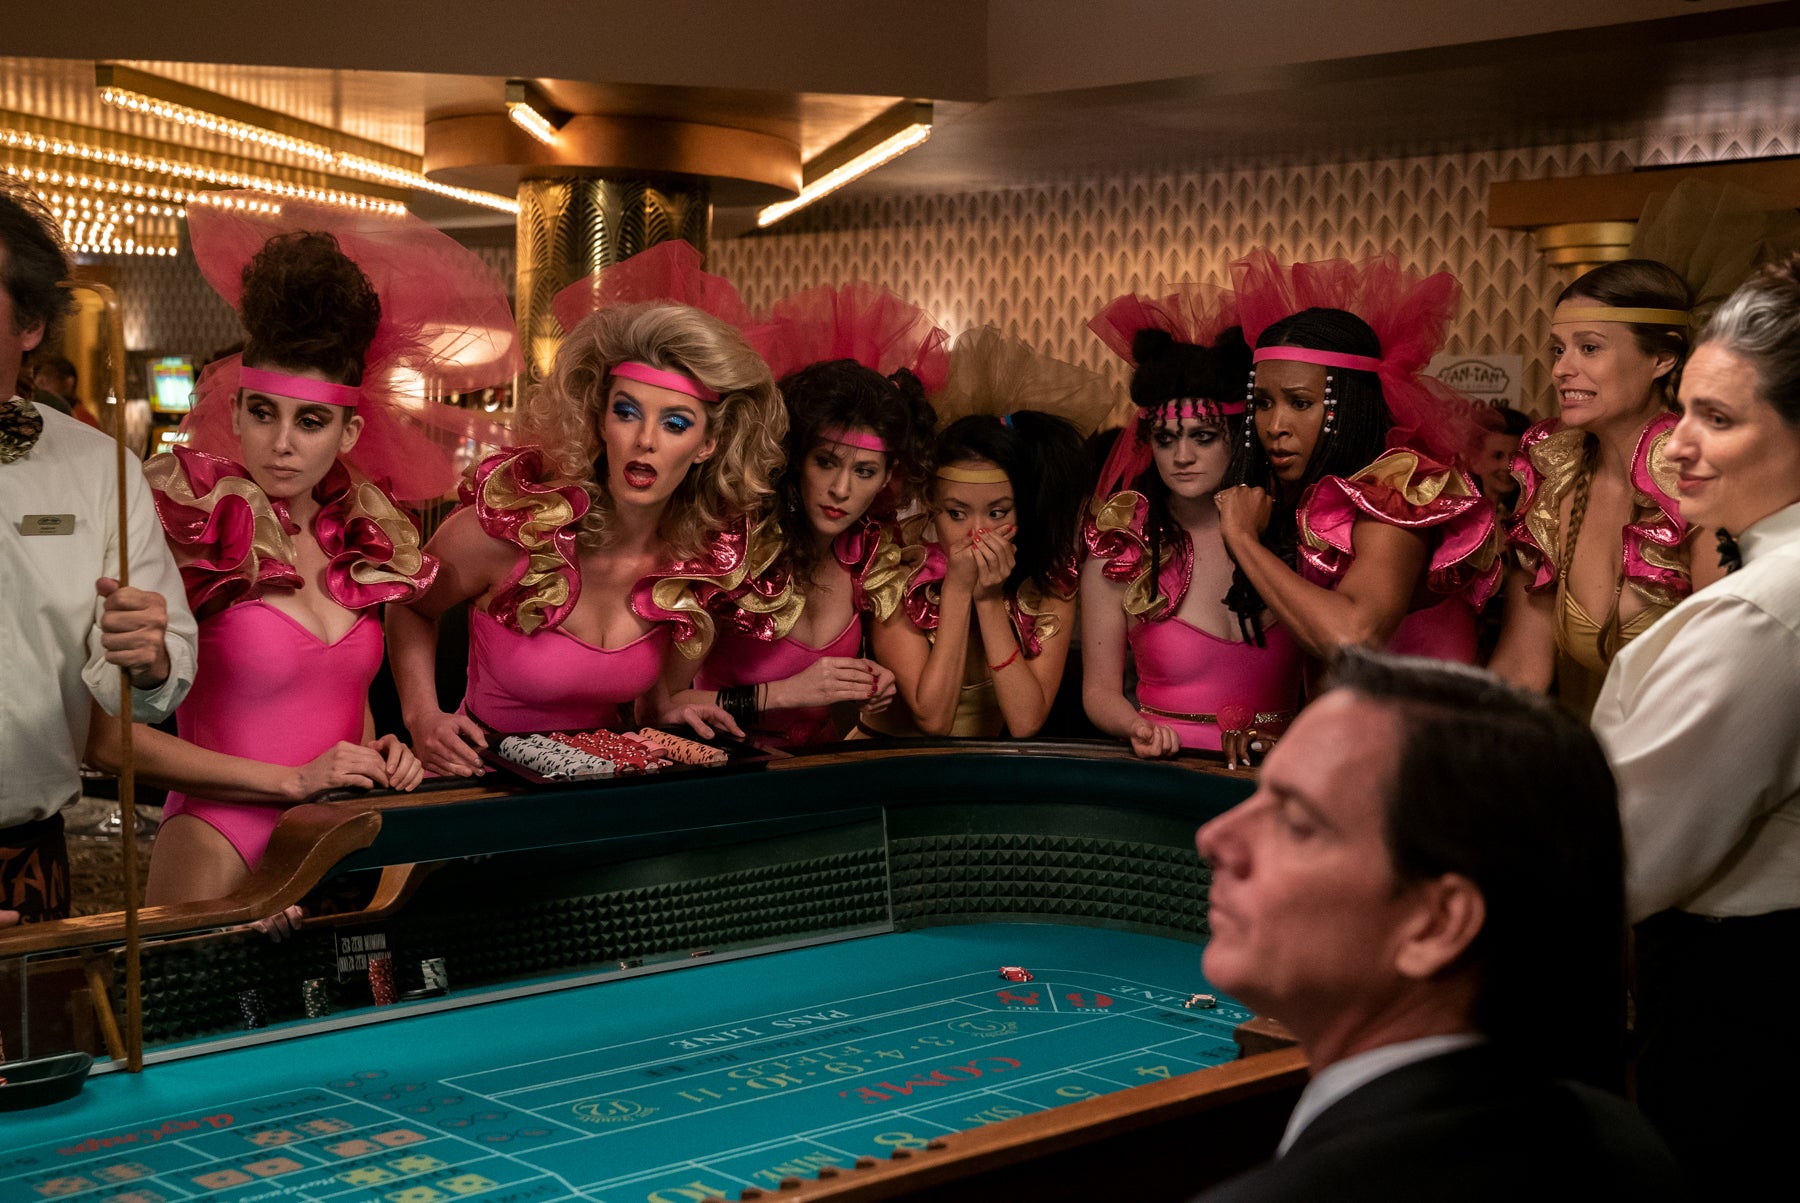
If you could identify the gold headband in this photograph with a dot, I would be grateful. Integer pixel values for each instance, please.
(1606, 313)
(975, 476)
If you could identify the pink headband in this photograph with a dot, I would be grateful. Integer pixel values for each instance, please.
(302, 388)
(855, 438)
(1175, 408)
(678, 382)
(1328, 359)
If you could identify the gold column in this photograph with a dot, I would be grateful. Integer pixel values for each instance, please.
(572, 226)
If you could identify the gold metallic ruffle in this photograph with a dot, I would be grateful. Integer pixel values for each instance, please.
(366, 501)
(544, 585)
(269, 539)
(1559, 458)
(890, 568)
(1117, 516)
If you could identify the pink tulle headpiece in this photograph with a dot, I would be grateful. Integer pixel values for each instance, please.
(876, 328)
(1410, 316)
(445, 326)
(668, 271)
(301, 388)
(679, 382)
(1196, 314)
(1193, 313)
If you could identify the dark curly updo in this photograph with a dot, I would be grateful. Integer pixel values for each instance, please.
(842, 394)
(1168, 370)
(307, 306)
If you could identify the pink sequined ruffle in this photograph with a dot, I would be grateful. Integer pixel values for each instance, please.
(1406, 489)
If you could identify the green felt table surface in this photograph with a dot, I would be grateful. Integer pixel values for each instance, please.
(650, 1086)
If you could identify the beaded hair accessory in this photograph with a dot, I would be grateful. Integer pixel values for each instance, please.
(1330, 401)
(1250, 407)
(1204, 408)
(1325, 359)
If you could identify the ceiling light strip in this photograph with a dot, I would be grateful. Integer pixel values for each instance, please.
(531, 121)
(114, 204)
(885, 151)
(212, 123)
(125, 188)
(341, 161)
(219, 176)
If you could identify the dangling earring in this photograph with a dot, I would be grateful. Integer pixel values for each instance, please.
(1330, 406)
(1250, 411)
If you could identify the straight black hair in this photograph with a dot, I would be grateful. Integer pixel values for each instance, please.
(1051, 476)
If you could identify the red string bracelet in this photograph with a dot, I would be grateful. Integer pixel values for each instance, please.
(994, 668)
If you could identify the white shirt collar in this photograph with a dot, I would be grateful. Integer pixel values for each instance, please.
(1778, 527)
(1342, 1078)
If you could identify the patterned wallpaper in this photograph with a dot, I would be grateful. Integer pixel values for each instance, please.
(1037, 262)
(167, 305)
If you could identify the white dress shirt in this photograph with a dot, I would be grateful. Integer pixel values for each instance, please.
(51, 657)
(1342, 1078)
(1700, 716)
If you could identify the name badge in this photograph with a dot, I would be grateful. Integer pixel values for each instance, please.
(47, 524)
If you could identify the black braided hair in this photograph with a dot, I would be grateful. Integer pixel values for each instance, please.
(1358, 435)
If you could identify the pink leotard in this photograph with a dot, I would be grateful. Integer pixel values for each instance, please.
(551, 680)
(1185, 670)
(738, 659)
(267, 688)
(304, 695)
(1445, 631)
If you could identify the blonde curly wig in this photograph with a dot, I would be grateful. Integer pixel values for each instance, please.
(748, 422)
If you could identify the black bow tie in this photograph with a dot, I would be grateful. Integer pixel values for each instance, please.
(1730, 558)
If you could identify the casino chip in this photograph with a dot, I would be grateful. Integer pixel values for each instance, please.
(628, 753)
(1015, 973)
(381, 978)
(433, 973)
(251, 1008)
(684, 751)
(1201, 1002)
(315, 995)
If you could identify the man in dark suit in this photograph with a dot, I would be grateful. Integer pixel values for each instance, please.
(1427, 888)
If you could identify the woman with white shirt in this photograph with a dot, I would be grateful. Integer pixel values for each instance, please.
(1701, 718)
